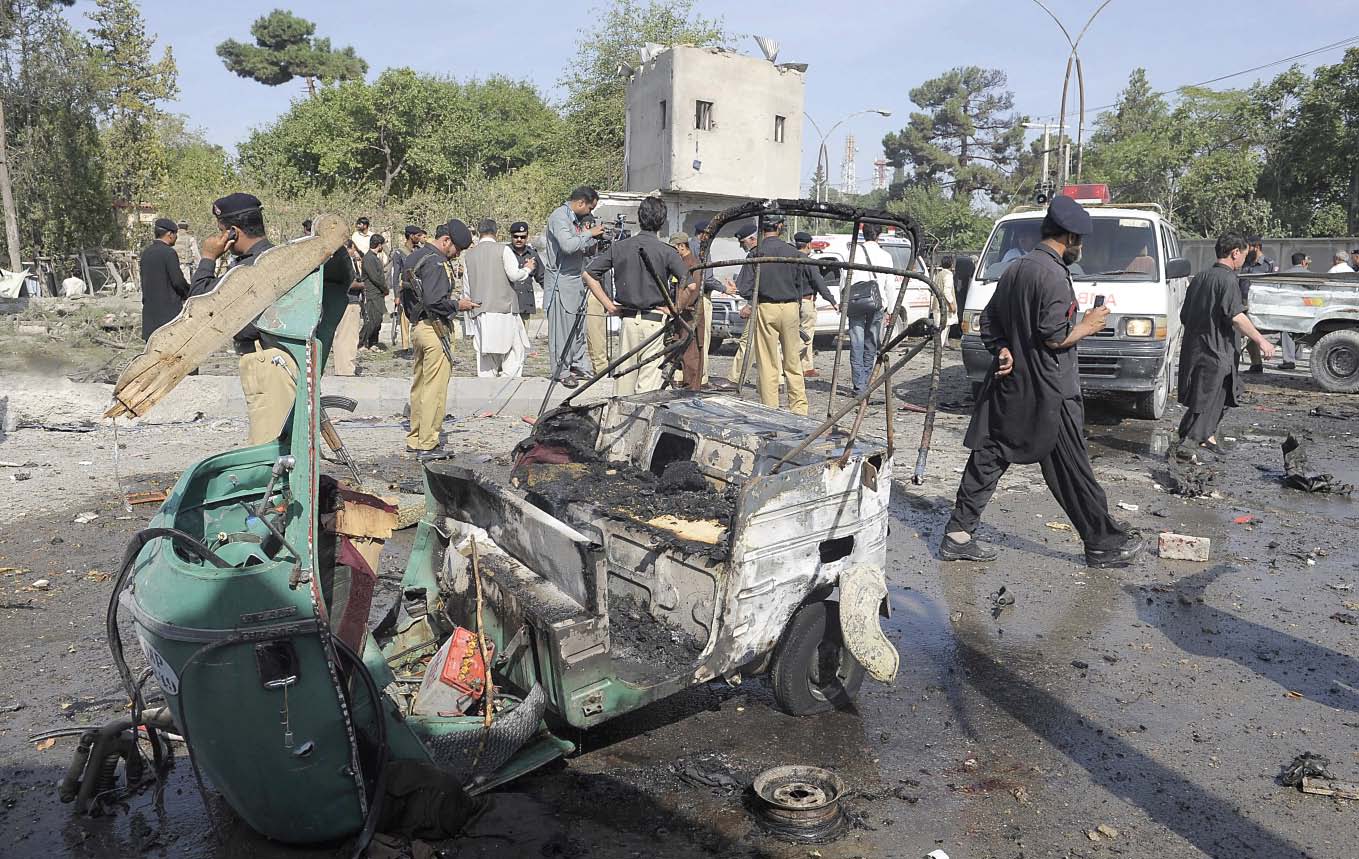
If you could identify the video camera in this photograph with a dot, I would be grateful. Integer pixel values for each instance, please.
(613, 232)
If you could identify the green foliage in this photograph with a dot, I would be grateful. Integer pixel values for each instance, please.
(968, 137)
(597, 93)
(196, 174)
(403, 134)
(131, 85)
(950, 223)
(56, 160)
(286, 47)
(1313, 168)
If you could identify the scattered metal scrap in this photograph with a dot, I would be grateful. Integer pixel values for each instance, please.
(800, 803)
(1296, 475)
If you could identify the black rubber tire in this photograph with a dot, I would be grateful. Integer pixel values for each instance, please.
(1335, 361)
(715, 343)
(1152, 405)
(813, 670)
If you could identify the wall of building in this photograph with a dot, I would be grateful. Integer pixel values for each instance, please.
(739, 155)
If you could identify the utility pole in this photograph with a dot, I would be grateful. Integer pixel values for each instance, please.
(1047, 151)
(7, 200)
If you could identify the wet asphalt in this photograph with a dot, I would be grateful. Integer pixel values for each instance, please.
(1159, 701)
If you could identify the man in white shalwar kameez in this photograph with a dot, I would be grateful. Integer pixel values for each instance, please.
(497, 330)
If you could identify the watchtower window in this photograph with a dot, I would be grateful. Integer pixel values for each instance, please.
(779, 122)
(703, 115)
(662, 114)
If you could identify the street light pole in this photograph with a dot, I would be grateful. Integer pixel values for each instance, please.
(1075, 57)
(822, 157)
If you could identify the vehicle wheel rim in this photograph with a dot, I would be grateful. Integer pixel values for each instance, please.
(1342, 362)
(828, 670)
(1163, 389)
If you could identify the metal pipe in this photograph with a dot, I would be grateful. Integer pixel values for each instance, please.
(844, 320)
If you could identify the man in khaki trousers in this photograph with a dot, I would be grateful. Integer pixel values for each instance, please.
(777, 317)
(430, 304)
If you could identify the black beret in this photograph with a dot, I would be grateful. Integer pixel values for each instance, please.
(235, 204)
(458, 232)
(745, 231)
(167, 225)
(518, 227)
(413, 230)
(1069, 215)
(700, 227)
(486, 225)
(802, 237)
(771, 222)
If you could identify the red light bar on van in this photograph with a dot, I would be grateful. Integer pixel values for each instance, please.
(1087, 194)
(819, 245)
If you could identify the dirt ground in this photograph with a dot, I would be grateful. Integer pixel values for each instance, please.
(1159, 701)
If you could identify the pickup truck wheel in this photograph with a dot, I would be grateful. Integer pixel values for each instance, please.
(1335, 362)
(813, 669)
(715, 343)
(1151, 405)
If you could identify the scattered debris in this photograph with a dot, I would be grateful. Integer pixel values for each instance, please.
(151, 496)
(1182, 547)
(1296, 475)
(1333, 412)
(1305, 765)
(1000, 601)
(1330, 787)
(936, 854)
(41, 585)
(86, 517)
(21, 476)
(1345, 617)
(1131, 508)
(1092, 834)
(800, 803)
(75, 426)
(1107, 831)
(44, 745)
(1190, 480)
(11, 708)
(1244, 520)
(1021, 795)
(708, 771)
(1060, 526)
(1079, 665)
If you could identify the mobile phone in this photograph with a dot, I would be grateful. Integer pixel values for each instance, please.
(232, 235)
(1099, 301)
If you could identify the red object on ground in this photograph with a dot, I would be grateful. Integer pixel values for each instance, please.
(1244, 520)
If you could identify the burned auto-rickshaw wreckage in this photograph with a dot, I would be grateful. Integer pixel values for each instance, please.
(645, 544)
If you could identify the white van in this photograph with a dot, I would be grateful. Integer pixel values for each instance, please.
(835, 247)
(1133, 258)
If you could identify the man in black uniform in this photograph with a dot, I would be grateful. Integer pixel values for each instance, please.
(1029, 408)
(374, 293)
(164, 286)
(637, 298)
(1209, 381)
(523, 251)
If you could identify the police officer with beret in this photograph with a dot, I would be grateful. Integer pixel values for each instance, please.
(1030, 408)
(164, 286)
(430, 304)
(268, 373)
(525, 253)
(777, 319)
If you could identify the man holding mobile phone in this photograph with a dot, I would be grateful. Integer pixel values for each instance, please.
(1030, 408)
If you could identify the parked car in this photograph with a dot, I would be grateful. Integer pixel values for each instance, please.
(1319, 310)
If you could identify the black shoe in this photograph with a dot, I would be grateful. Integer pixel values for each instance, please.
(1287, 365)
(1256, 368)
(722, 385)
(569, 382)
(1119, 557)
(951, 550)
(1218, 447)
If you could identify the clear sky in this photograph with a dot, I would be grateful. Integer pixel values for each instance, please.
(861, 55)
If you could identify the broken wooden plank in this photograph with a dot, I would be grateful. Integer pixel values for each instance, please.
(1330, 787)
(208, 322)
(150, 496)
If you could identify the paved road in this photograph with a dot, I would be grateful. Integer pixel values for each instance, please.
(1159, 700)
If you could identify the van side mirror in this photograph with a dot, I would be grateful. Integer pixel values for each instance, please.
(1177, 267)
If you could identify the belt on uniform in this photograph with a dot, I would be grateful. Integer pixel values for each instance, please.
(779, 300)
(650, 315)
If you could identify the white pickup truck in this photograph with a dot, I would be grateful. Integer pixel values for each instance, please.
(1319, 310)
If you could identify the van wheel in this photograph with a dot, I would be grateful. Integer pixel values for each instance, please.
(1335, 362)
(715, 343)
(1151, 405)
(813, 669)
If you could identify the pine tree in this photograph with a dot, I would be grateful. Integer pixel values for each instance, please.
(287, 47)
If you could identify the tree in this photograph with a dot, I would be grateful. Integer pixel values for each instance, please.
(287, 47)
(596, 103)
(48, 93)
(132, 87)
(385, 135)
(969, 137)
(950, 223)
(196, 172)
(1313, 168)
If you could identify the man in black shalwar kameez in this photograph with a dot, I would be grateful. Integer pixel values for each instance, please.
(1030, 408)
(1212, 313)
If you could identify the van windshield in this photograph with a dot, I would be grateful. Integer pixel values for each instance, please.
(1118, 249)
